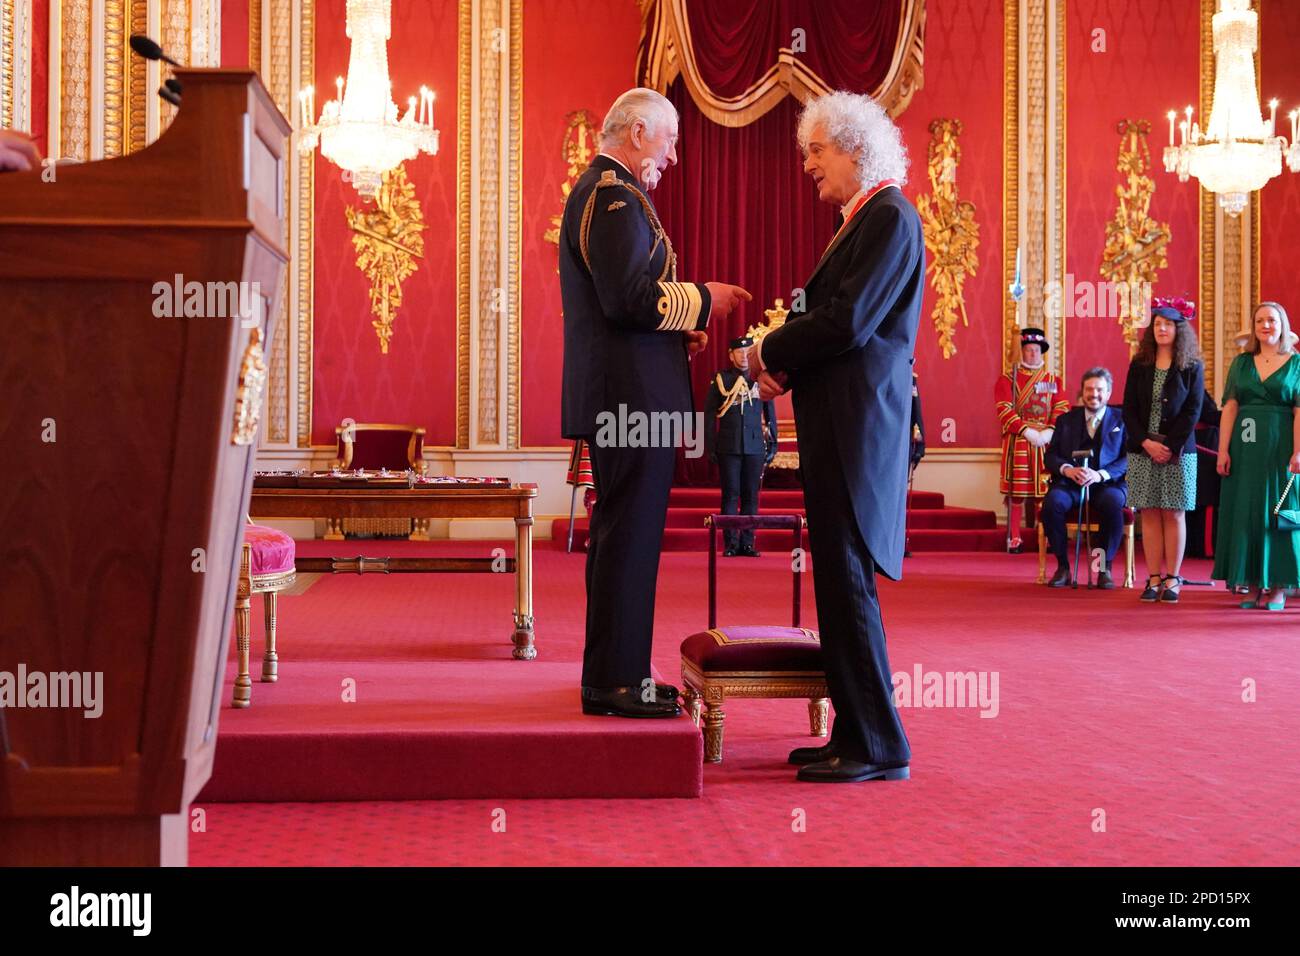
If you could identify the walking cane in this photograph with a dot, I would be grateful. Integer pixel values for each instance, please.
(907, 507)
(573, 507)
(1079, 532)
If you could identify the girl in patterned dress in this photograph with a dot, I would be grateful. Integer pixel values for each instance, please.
(1162, 402)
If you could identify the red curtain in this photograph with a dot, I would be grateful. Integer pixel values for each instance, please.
(738, 207)
(848, 43)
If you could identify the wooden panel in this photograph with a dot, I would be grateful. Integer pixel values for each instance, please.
(105, 528)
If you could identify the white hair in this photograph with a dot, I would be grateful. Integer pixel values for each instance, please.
(856, 123)
(638, 104)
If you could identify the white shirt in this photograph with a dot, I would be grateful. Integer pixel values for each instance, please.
(848, 206)
(607, 156)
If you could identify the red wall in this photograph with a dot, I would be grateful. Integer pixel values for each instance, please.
(963, 80)
(1280, 200)
(234, 33)
(415, 382)
(1149, 67)
(41, 74)
(564, 71)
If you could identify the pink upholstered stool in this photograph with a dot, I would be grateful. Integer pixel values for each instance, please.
(753, 660)
(265, 567)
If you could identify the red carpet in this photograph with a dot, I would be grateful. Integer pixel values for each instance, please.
(1121, 735)
(440, 709)
(932, 525)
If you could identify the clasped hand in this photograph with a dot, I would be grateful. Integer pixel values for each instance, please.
(1083, 476)
(1158, 452)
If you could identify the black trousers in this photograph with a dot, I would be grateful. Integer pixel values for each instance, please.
(1105, 505)
(867, 726)
(741, 476)
(626, 534)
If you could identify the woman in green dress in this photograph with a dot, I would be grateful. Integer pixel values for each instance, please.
(1259, 443)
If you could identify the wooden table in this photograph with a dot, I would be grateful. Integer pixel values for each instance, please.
(394, 498)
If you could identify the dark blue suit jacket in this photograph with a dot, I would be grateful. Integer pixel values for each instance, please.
(849, 361)
(622, 325)
(1072, 433)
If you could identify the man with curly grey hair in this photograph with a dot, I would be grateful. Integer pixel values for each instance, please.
(847, 360)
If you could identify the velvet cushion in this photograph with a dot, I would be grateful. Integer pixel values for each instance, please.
(754, 648)
(271, 551)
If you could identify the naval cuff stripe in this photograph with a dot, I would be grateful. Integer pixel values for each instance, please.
(680, 305)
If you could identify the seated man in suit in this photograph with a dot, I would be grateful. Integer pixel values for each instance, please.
(1098, 429)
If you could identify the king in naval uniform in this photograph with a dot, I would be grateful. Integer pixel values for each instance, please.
(629, 327)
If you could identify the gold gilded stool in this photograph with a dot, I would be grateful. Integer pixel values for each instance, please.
(752, 660)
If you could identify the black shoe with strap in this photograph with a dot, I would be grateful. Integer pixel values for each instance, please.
(1170, 593)
(1152, 592)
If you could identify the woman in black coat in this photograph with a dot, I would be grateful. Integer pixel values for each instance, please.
(1162, 402)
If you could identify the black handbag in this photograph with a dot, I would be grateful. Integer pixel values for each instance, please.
(1286, 519)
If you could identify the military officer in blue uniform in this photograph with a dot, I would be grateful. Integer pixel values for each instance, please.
(740, 435)
(630, 326)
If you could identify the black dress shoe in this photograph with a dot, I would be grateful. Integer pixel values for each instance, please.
(625, 702)
(803, 755)
(1105, 581)
(748, 552)
(730, 553)
(666, 692)
(1061, 579)
(840, 770)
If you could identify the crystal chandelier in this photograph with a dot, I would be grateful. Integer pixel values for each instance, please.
(359, 131)
(1239, 152)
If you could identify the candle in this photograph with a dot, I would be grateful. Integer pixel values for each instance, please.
(1172, 114)
(338, 84)
(1272, 117)
(1182, 128)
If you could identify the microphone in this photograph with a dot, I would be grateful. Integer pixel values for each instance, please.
(143, 46)
(150, 50)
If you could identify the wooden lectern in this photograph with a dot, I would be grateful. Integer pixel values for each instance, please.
(128, 433)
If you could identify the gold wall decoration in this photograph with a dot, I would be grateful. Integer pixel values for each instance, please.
(388, 241)
(306, 186)
(577, 148)
(8, 63)
(464, 115)
(249, 391)
(1135, 249)
(951, 233)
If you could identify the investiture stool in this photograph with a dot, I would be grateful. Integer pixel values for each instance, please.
(740, 435)
(629, 327)
(1087, 453)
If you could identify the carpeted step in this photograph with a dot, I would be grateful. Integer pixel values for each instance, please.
(421, 729)
(778, 498)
